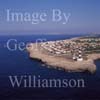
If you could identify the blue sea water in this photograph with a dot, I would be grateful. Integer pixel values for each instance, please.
(18, 63)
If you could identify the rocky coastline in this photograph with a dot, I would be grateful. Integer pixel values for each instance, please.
(59, 62)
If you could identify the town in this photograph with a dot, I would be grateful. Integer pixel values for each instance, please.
(74, 49)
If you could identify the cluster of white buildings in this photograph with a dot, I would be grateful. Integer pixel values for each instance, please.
(64, 47)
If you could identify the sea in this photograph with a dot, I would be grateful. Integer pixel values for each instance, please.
(17, 63)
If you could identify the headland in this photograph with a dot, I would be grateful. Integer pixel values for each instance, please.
(75, 55)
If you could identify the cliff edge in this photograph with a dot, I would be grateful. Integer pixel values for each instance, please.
(53, 61)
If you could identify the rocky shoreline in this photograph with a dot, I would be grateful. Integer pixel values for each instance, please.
(35, 52)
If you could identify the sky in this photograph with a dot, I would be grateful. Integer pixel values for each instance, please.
(84, 16)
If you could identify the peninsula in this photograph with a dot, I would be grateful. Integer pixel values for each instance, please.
(75, 55)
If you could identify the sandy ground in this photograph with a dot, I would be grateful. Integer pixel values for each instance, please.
(63, 63)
